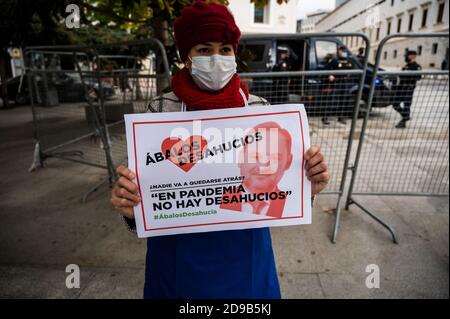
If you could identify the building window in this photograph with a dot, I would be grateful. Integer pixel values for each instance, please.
(440, 15)
(419, 50)
(424, 17)
(411, 22)
(388, 32)
(395, 54)
(385, 54)
(399, 25)
(434, 49)
(378, 33)
(324, 49)
(261, 14)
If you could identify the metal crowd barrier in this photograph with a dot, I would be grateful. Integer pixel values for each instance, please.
(78, 105)
(336, 100)
(79, 95)
(409, 161)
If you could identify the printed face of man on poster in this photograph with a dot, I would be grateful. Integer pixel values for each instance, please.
(263, 165)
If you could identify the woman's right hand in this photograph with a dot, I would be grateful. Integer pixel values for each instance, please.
(124, 195)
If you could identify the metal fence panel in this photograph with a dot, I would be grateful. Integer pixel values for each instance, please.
(64, 125)
(79, 95)
(412, 160)
(330, 106)
(332, 96)
(404, 148)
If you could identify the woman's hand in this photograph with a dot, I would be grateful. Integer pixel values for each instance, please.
(316, 169)
(125, 193)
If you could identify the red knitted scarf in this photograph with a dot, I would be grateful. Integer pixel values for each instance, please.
(196, 99)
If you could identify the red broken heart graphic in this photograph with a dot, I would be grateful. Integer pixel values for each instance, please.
(184, 154)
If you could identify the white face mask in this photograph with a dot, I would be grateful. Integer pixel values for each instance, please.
(212, 73)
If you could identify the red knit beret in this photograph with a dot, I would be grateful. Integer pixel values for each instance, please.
(205, 22)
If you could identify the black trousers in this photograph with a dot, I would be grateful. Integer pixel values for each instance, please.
(405, 96)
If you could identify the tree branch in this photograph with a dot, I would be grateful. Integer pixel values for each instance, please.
(111, 13)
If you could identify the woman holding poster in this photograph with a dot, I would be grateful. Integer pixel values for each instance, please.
(219, 264)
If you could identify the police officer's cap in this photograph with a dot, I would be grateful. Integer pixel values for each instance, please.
(411, 52)
(283, 49)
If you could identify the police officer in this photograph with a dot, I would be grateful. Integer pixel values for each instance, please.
(284, 64)
(404, 91)
(361, 57)
(341, 84)
(284, 59)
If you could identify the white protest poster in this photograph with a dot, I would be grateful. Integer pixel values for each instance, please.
(221, 169)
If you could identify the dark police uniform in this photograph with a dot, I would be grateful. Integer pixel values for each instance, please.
(340, 87)
(404, 91)
(281, 84)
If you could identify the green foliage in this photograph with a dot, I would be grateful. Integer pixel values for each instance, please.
(262, 3)
(37, 22)
(132, 14)
(31, 22)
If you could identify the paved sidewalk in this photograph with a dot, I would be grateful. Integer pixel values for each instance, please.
(44, 227)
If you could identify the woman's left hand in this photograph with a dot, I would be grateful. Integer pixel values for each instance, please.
(316, 169)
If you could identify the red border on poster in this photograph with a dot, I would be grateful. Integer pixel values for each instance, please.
(211, 119)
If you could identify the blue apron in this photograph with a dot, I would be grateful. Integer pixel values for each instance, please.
(222, 264)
